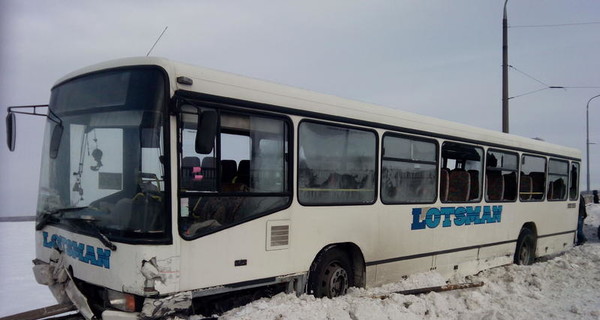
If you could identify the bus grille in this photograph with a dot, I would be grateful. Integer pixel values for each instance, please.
(280, 235)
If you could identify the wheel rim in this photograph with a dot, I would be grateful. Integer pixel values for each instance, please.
(338, 280)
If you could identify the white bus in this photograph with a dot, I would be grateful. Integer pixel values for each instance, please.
(171, 188)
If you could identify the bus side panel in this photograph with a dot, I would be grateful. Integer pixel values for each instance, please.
(395, 271)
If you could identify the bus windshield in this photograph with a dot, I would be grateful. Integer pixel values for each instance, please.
(104, 171)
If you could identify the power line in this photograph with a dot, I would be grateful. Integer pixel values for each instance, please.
(556, 25)
(530, 92)
(529, 76)
(546, 86)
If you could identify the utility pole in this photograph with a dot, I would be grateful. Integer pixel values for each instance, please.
(505, 71)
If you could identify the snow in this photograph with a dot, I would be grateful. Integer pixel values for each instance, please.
(566, 286)
(19, 291)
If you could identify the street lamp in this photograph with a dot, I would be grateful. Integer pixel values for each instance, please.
(505, 117)
(587, 138)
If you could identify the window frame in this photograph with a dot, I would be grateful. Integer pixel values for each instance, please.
(344, 126)
(571, 164)
(436, 163)
(566, 197)
(231, 109)
(482, 171)
(523, 155)
(516, 171)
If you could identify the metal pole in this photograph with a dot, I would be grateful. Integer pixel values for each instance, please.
(587, 138)
(505, 71)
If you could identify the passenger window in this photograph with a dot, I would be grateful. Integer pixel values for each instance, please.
(244, 176)
(574, 181)
(558, 175)
(336, 164)
(533, 178)
(461, 173)
(409, 170)
(501, 176)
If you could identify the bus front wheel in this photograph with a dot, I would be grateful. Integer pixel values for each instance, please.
(331, 274)
(525, 252)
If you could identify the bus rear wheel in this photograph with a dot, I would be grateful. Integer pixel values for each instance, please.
(331, 274)
(525, 252)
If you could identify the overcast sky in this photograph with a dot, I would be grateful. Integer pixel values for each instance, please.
(438, 58)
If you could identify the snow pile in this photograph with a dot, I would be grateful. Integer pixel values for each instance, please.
(592, 221)
(563, 287)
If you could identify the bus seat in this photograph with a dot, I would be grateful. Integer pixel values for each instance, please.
(538, 184)
(228, 171)
(474, 176)
(209, 173)
(556, 190)
(444, 178)
(459, 185)
(187, 171)
(495, 186)
(243, 173)
(525, 187)
(510, 186)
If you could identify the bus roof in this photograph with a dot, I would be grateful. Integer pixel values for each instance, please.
(234, 86)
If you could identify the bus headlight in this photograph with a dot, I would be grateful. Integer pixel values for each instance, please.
(120, 300)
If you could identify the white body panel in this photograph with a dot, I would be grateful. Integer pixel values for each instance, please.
(382, 232)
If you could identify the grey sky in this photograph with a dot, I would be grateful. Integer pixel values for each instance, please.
(437, 58)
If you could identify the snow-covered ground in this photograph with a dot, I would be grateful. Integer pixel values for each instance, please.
(564, 287)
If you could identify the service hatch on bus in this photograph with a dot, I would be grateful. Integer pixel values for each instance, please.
(167, 188)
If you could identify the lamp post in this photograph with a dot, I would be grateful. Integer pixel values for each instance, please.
(587, 138)
(505, 71)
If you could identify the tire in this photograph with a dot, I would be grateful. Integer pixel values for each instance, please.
(331, 274)
(525, 251)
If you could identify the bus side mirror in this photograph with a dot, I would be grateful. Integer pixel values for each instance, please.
(11, 130)
(206, 132)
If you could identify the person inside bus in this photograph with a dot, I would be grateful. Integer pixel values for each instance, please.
(581, 239)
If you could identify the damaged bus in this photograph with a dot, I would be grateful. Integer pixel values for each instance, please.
(167, 188)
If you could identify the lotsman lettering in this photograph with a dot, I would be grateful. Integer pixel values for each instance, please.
(417, 224)
(460, 216)
(447, 212)
(433, 218)
(457, 216)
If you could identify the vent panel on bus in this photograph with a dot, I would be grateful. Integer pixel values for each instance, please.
(278, 235)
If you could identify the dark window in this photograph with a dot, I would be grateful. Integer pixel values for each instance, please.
(336, 164)
(574, 181)
(242, 174)
(501, 176)
(409, 170)
(558, 175)
(461, 173)
(532, 178)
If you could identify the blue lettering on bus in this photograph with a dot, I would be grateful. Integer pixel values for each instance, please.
(83, 252)
(457, 216)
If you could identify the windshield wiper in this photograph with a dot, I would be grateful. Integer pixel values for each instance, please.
(97, 233)
(51, 215)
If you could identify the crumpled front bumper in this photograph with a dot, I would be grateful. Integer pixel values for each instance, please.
(56, 276)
